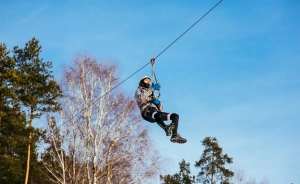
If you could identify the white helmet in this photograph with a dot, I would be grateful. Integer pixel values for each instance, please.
(141, 82)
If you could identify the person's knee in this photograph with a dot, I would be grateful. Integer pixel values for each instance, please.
(158, 116)
(174, 117)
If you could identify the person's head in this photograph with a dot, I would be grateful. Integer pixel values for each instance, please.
(145, 82)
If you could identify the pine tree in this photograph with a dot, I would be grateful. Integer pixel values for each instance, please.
(183, 177)
(37, 90)
(7, 73)
(212, 163)
(13, 143)
(185, 173)
(13, 131)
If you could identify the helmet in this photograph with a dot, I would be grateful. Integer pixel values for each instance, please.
(141, 82)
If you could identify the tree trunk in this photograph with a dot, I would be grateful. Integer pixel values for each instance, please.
(108, 168)
(28, 160)
(28, 154)
(212, 169)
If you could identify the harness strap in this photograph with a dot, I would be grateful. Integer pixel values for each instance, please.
(144, 104)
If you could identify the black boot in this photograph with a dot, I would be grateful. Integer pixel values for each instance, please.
(178, 139)
(169, 129)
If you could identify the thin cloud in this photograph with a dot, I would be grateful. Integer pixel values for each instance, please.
(31, 16)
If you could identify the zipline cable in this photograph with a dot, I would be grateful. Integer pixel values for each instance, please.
(142, 66)
(189, 28)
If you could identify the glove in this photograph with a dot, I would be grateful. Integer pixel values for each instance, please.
(155, 86)
(155, 101)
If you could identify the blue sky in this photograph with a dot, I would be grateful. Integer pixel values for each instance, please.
(234, 76)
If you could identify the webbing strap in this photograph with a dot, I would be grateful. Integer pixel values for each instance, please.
(154, 80)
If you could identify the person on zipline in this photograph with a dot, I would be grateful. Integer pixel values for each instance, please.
(151, 108)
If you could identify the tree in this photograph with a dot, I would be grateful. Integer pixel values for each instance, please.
(170, 179)
(6, 66)
(97, 136)
(13, 129)
(55, 158)
(183, 177)
(239, 178)
(36, 88)
(212, 163)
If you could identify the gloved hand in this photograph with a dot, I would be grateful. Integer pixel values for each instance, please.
(155, 86)
(155, 101)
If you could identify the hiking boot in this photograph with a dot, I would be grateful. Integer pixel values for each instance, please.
(178, 139)
(169, 128)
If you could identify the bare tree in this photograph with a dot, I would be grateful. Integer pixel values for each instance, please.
(264, 181)
(251, 181)
(239, 178)
(100, 138)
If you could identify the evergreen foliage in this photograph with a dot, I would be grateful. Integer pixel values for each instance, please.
(37, 90)
(13, 131)
(212, 163)
(183, 177)
(27, 91)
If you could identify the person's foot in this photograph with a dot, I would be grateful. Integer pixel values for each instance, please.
(178, 139)
(169, 128)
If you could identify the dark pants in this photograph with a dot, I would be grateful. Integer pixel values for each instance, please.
(151, 114)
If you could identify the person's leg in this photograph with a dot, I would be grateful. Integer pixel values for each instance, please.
(152, 115)
(160, 117)
(172, 127)
(175, 136)
(175, 119)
